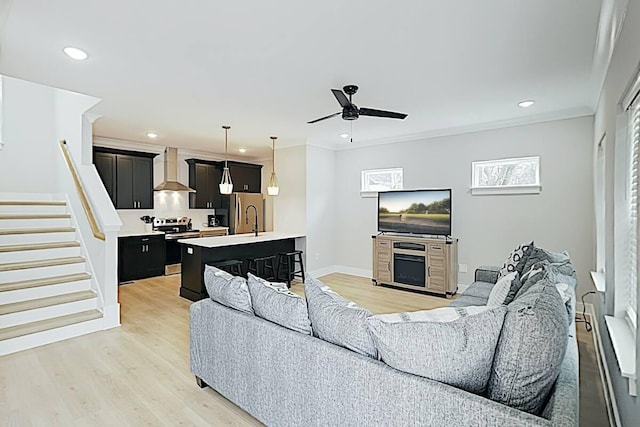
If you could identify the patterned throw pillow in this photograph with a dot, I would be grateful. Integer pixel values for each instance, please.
(279, 305)
(501, 289)
(517, 259)
(452, 345)
(337, 320)
(228, 290)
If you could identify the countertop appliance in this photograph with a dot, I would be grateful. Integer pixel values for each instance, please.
(174, 229)
(239, 221)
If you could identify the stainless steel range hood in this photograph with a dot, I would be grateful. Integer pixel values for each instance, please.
(170, 182)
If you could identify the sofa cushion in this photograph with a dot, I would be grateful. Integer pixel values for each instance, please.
(228, 290)
(479, 290)
(467, 300)
(530, 350)
(279, 305)
(501, 289)
(452, 345)
(517, 259)
(337, 320)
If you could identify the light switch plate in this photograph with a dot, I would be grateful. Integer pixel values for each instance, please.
(462, 268)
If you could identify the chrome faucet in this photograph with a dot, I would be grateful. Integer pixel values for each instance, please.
(246, 214)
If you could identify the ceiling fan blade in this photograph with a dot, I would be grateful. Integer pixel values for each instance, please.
(381, 113)
(341, 97)
(325, 118)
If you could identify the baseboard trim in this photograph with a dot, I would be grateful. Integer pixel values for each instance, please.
(603, 368)
(462, 288)
(342, 269)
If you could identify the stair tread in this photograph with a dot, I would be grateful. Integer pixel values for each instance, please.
(47, 324)
(38, 246)
(32, 203)
(34, 216)
(34, 283)
(46, 302)
(41, 263)
(7, 231)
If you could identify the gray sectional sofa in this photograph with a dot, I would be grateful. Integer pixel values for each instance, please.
(286, 378)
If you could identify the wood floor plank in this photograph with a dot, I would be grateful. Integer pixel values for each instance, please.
(139, 374)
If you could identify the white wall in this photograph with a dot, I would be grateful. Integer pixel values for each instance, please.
(25, 161)
(321, 210)
(624, 65)
(489, 227)
(290, 206)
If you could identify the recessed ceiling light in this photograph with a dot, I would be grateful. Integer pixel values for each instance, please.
(242, 150)
(527, 103)
(152, 135)
(344, 135)
(75, 53)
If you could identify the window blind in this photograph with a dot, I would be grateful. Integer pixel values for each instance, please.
(631, 290)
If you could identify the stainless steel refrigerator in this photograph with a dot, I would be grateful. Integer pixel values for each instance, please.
(242, 217)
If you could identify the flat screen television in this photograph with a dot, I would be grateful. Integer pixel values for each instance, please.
(415, 211)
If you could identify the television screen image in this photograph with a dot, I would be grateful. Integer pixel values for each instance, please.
(416, 211)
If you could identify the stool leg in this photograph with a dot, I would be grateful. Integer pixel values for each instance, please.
(301, 267)
(289, 272)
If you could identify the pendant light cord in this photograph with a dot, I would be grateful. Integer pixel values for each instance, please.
(226, 128)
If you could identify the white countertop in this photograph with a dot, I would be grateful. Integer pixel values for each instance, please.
(239, 239)
(212, 228)
(129, 233)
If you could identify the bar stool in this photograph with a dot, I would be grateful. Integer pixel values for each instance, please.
(263, 267)
(287, 266)
(231, 266)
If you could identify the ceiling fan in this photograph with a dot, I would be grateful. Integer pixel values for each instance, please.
(351, 111)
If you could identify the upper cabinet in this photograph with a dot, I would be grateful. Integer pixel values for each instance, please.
(246, 177)
(204, 177)
(127, 176)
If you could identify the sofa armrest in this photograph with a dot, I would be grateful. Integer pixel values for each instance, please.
(487, 273)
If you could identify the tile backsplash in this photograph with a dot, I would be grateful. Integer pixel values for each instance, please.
(166, 204)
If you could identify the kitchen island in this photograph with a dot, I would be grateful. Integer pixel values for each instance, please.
(196, 253)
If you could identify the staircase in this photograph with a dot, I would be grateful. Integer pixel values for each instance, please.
(46, 292)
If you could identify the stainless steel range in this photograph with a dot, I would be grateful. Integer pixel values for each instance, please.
(174, 229)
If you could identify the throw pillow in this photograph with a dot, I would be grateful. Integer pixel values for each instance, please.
(279, 305)
(562, 267)
(337, 320)
(517, 259)
(501, 289)
(530, 350)
(452, 345)
(228, 290)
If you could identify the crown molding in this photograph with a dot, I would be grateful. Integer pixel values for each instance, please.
(125, 144)
(479, 127)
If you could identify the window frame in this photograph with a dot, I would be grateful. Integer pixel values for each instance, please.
(481, 190)
(366, 192)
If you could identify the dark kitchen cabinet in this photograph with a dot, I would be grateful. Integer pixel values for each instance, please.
(127, 176)
(140, 257)
(106, 166)
(246, 177)
(204, 177)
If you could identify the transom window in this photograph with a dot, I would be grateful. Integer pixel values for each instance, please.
(506, 176)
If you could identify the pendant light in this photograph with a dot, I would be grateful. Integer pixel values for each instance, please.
(226, 186)
(273, 188)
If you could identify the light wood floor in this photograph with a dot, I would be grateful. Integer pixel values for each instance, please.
(138, 374)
